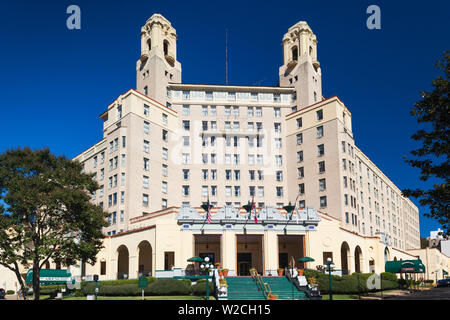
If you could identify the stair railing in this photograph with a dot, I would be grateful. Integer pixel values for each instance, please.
(264, 287)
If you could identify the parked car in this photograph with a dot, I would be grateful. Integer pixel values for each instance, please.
(443, 283)
(2, 293)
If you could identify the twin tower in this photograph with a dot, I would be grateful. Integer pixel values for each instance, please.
(158, 66)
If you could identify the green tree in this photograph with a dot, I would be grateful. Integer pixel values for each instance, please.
(47, 213)
(432, 157)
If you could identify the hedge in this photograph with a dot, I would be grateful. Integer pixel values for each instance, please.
(199, 289)
(166, 287)
(348, 284)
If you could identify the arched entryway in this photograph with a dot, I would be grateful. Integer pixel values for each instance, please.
(122, 262)
(345, 253)
(358, 259)
(145, 259)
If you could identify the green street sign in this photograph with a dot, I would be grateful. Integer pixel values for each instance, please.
(143, 283)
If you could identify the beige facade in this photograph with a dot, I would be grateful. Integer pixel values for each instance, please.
(169, 145)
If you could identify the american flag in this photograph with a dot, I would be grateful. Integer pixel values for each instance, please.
(254, 210)
(209, 212)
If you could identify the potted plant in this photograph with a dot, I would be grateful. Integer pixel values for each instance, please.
(280, 271)
(220, 271)
(225, 272)
(223, 283)
(272, 296)
(300, 272)
(217, 265)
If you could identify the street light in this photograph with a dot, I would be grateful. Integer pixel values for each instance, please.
(206, 266)
(330, 265)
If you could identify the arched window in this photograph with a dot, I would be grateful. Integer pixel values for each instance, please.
(149, 44)
(310, 50)
(166, 47)
(295, 53)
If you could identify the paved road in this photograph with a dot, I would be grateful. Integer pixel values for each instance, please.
(431, 294)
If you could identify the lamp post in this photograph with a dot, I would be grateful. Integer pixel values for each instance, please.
(206, 266)
(330, 265)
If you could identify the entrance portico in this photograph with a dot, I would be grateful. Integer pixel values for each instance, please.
(234, 240)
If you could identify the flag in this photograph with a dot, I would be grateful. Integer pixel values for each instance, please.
(254, 210)
(296, 209)
(209, 212)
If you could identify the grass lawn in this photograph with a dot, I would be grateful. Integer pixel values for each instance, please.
(146, 298)
(340, 297)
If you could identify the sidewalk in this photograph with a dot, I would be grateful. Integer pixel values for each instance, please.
(394, 294)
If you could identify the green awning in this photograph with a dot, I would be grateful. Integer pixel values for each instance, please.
(195, 259)
(50, 276)
(405, 266)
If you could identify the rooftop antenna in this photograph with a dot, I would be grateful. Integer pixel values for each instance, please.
(226, 56)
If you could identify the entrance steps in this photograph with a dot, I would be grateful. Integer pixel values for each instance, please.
(245, 288)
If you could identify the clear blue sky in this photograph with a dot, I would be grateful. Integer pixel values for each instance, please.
(55, 82)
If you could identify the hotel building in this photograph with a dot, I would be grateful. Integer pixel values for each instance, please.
(169, 146)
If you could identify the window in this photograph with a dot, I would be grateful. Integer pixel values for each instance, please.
(250, 112)
(204, 191)
(301, 188)
(277, 127)
(344, 164)
(279, 191)
(260, 191)
(164, 119)
(186, 141)
(145, 182)
(186, 158)
(237, 175)
(102, 174)
(320, 132)
(165, 172)
(122, 197)
(237, 191)
(145, 200)
(204, 125)
(278, 160)
(260, 175)
(186, 110)
(322, 184)
(165, 154)
(205, 174)
(227, 174)
(236, 111)
(320, 150)
(299, 122)
(251, 191)
(300, 156)
(185, 174)
(319, 114)
(146, 146)
(213, 110)
(204, 110)
(279, 175)
(146, 127)
(214, 190)
(146, 110)
(228, 110)
(321, 166)
(185, 191)
(95, 162)
(302, 204)
(228, 191)
(299, 138)
(323, 201)
(213, 158)
(251, 174)
(186, 125)
(122, 179)
(164, 187)
(301, 172)
(164, 203)
(258, 111)
(277, 112)
(346, 218)
(124, 160)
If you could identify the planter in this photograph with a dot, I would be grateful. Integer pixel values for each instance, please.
(225, 272)
(272, 297)
(280, 272)
(220, 271)
(300, 272)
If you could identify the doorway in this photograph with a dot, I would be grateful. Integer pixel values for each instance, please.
(244, 262)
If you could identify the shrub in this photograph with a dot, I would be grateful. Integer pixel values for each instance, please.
(168, 287)
(199, 289)
(188, 282)
(128, 289)
(10, 292)
(389, 276)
